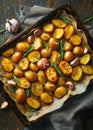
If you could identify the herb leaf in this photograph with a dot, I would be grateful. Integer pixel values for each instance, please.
(61, 49)
(27, 93)
(2, 30)
(66, 19)
(16, 79)
(28, 51)
(57, 69)
(87, 20)
(31, 110)
(44, 44)
(12, 89)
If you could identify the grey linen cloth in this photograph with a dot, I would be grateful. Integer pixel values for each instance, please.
(74, 113)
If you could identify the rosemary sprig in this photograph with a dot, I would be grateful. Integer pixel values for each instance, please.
(66, 19)
(31, 110)
(27, 92)
(44, 44)
(16, 79)
(28, 51)
(61, 49)
(12, 89)
(88, 19)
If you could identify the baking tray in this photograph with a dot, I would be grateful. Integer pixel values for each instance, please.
(22, 35)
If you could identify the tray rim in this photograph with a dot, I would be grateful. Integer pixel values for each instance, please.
(69, 10)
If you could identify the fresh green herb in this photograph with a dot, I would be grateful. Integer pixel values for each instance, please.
(31, 110)
(27, 93)
(66, 19)
(12, 89)
(16, 79)
(44, 44)
(28, 51)
(2, 30)
(57, 69)
(61, 49)
(87, 20)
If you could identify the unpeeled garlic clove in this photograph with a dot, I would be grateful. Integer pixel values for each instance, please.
(4, 105)
(12, 25)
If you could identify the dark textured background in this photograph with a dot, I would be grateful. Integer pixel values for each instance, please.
(10, 9)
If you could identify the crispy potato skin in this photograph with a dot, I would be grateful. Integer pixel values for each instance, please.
(22, 46)
(18, 72)
(68, 31)
(87, 69)
(75, 39)
(49, 86)
(8, 53)
(23, 64)
(46, 98)
(55, 57)
(32, 102)
(58, 23)
(20, 95)
(17, 56)
(51, 74)
(48, 28)
(85, 59)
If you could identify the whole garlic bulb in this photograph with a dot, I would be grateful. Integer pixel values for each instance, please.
(12, 25)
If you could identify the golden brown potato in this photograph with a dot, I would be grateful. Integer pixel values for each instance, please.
(37, 88)
(37, 44)
(34, 56)
(32, 102)
(45, 36)
(48, 28)
(30, 75)
(8, 53)
(77, 73)
(17, 56)
(7, 64)
(33, 67)
(22, 46)
(58, 33)
(58, 23)
(68, 31)
(46, 52)
(68, 46)
(46, 98)
(49, 86)
(75, 39)
(55, 57)
(78, 51)
(53, 43)
(51, 74)
(65, 67)
(20, 95)
(85, 59)
(8, 75)
(68, 56)
(87, 69)
(23, 64)
(43, 63)
(23, 83)
(60, 92)
(18, 72)
(41, 76)
(61, 81)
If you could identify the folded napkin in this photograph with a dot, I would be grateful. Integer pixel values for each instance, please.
(74, 113)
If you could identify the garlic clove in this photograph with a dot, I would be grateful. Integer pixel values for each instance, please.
(12, 25)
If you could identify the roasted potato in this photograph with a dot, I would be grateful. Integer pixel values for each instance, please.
(7, 64)
(49, 86)
(33, 67)
(68, 46)
(55, 57)
(8, 75)
(46, 98)
(37, 44)
(58, 23)
(18, 72)
(41, 76)
(34, 56)
(30, 75)
(45, 36)
(75, 39)
(23, 64)
(77, 73)
(58, 33)
(48, 28)
(46, 52)
(23, 83)
(37, 88)
(65, 67)
(53, 43)
(32, 102)
(22, 46)
(43, 63)
(85, 59)
(68, 31)
(87, 69)
(60, 92)
(20, 95)
(78, 51)
(68, 56)
(51, 74)
(61, 81)
(8, 53)
(17, 56)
